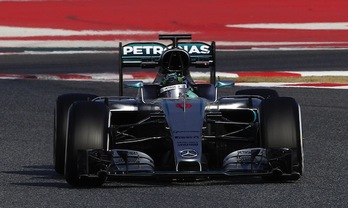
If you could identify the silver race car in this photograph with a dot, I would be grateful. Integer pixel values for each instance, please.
(175, 128)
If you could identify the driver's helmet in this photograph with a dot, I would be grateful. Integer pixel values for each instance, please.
(173, 85)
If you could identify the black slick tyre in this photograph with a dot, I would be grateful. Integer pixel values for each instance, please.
(280, 127)
(265, 93)
(62, 106)
(87, 129)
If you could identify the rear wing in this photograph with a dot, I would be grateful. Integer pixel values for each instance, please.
(148, 55)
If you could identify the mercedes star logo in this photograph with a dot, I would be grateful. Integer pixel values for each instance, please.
(188, 153)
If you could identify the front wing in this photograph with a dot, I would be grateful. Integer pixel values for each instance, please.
(121, 163)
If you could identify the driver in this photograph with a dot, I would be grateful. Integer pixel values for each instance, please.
(175, 85)
(174, 77)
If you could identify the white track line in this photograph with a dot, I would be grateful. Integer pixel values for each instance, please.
(321, 73)
(7, 31)
(295, 26)
(11, 35)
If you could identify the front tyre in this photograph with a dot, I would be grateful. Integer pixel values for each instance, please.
(280, 126)
(87, 129)
(61, 110)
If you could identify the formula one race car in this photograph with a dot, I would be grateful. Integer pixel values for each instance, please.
(175, 128)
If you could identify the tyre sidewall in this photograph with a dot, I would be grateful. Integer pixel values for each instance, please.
(87, 129)
(61, 110)
(280, 127)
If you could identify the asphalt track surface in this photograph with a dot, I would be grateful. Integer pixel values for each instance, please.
(226, 61)
(26, 135)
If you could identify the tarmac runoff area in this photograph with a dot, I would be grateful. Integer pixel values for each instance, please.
(201, 76)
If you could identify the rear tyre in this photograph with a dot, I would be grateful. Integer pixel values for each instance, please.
(265, 93)
(280, 123)
(63, 104)
(87, 129)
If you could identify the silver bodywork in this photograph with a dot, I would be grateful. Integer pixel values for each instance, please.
(163, 132)
(186, 121)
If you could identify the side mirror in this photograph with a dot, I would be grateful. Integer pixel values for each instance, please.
(219, 84)
(133, 84)
(226, 83)
(137, 85)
